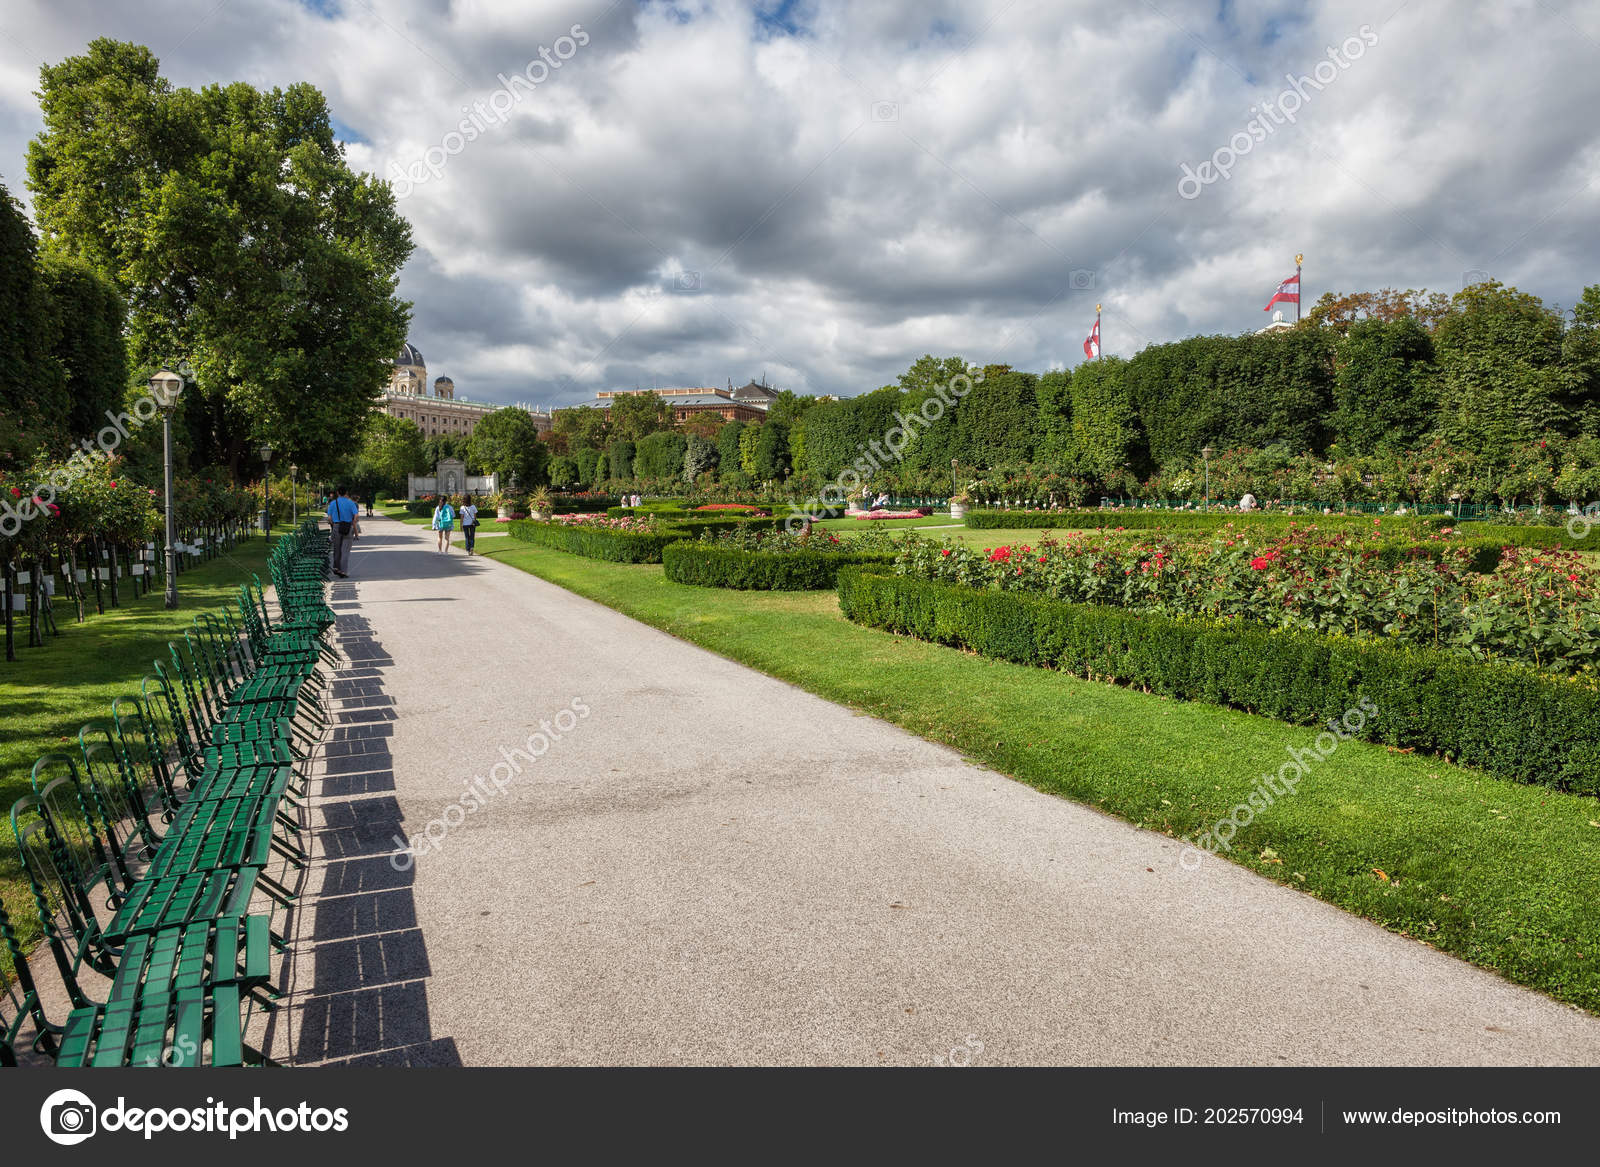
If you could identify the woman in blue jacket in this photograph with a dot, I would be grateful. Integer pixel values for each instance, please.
(444, 521)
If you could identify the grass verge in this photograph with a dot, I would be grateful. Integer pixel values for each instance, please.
(1503, 875)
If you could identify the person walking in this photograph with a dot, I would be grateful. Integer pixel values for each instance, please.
(369, 504)
(444, 521)
(342, 513)
(469, 524)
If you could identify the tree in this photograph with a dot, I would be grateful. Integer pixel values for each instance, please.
(506, 443)
(1580, 352)
(1502, 382)
(1384, 386)
(704, 423)
(747, 448)
(563, 470)
(1341, 312)
(1106, 438)
(437, 447)
(660, 455)
(589, 461)
(772, 451)
(89, 343)
(621, 457)
(33, 393)
(392, 448)
(580, 426)
(728, 446)
(635, 415)
(699, 457)
(241, 239)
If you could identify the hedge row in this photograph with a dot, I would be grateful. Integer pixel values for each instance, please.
(1512, 722)
(707, 565)
(597, 542)
(1512, 536)
(562, 505)
(780, 511)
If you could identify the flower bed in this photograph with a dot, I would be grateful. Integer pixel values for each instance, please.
(1513, 722)
(919, 513)
(597, 541)
(1257, 521)
(1538, 608)
(732, 506)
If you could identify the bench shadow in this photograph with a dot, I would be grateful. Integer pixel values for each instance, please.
(357, 988)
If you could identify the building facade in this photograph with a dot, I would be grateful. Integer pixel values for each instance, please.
(746, 403)
(439, 411)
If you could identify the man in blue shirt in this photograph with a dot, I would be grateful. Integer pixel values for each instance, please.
(342, 513)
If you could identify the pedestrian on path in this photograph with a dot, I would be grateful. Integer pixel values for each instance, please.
(444, 521)
(369, 504)
(342, 513)
(469, 525)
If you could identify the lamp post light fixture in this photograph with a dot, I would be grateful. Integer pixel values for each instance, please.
(1206, 455)
(294, 495)
(266, 491)
(166, 387)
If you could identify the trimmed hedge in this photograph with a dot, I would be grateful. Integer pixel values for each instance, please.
(562, 505)
(596, 542)
(673, 515)
(707, 565)
(1511, 722)
(1505, 536)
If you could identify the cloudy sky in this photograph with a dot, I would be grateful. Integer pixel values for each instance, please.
(822, 190)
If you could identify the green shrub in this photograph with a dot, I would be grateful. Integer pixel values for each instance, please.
(596, 542)
(573, 504)
(1512, 722)
(709, 565)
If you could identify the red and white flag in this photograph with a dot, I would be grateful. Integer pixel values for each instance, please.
(1288, 292)
(1091, 344)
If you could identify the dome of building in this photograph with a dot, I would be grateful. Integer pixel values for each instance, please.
(409, 355)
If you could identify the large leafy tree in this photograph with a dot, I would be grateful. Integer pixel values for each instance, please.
(241, 239)
(506, 443)
(583, 425)
(1384, 386)
(393, 448)
(1502, 380)
(635, 415)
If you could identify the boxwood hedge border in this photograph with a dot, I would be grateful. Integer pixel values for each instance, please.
(707, 565)
(1511, 722)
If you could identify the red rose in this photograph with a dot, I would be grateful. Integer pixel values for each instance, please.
(15, 493)
(1041, 560)
(113, 484)
(946, 551)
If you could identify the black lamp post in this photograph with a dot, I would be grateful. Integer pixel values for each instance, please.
(294, 495)
(166, 387)
(1206, 455)
(266, 491)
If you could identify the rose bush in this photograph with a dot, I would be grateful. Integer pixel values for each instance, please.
(1536, 607)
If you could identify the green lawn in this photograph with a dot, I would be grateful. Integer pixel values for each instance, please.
(49, 692)
(1503, 875)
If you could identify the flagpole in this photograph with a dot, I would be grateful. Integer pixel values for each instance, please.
(1099, 337)
(1299, 288)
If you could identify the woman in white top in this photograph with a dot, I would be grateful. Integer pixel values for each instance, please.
(469, 524)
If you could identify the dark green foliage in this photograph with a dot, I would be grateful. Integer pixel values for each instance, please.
(589, 461)
(997, 420)
(1249, 390)
(34, 407)
(89, 343)
(707, 565)
(1385, 391)
(506, 444)
(1502, 382)
(621, 458)
(772, 451)
(660, 455)
(728, 446)
(1513, 723)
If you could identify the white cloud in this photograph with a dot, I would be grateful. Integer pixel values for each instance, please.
(834, 237)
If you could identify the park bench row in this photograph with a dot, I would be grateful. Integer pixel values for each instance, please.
(145, 848)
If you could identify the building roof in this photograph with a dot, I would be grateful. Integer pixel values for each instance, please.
(677, 400)
(446, 380)
(409, 355)
(755, 391)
